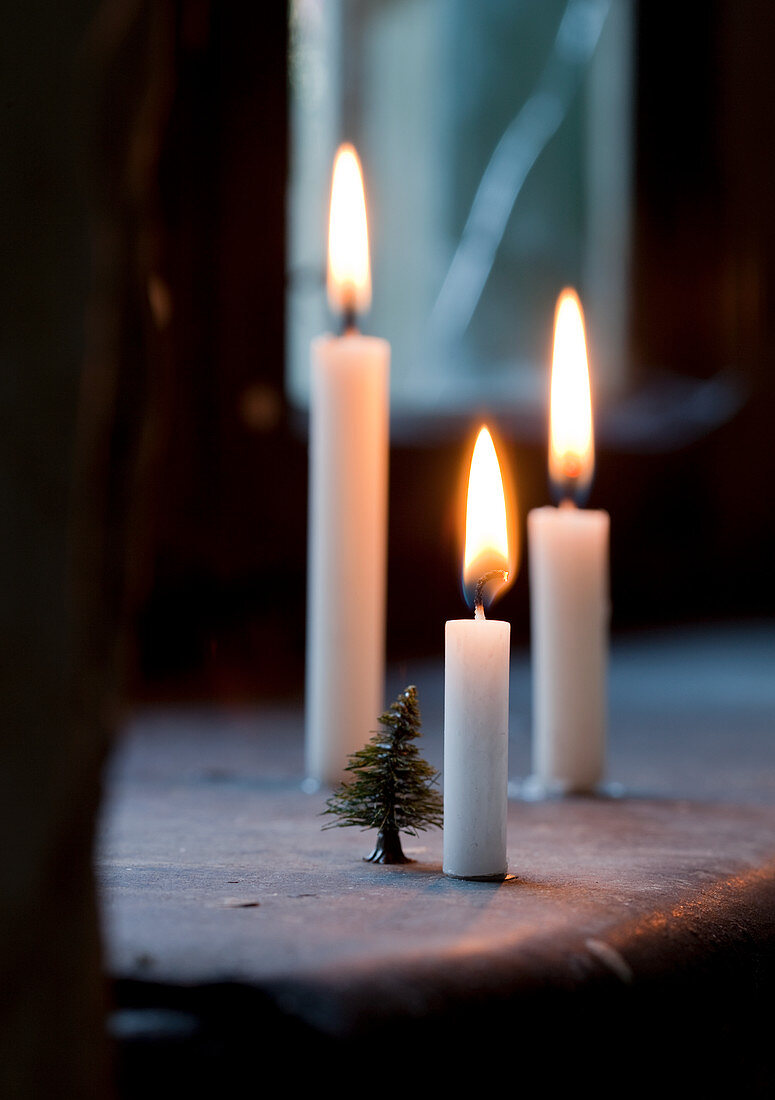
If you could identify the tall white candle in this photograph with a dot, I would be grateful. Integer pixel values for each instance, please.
(476, 692)
(568, 561)
(348, 485)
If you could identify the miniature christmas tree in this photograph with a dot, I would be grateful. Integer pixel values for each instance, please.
(392, 789)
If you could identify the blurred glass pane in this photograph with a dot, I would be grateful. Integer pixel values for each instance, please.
(496, 144)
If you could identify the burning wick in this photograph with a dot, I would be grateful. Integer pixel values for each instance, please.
(349, 320)
(569, 487)
(480, 586)
(571, 441)
(570, 493)
(348, 279)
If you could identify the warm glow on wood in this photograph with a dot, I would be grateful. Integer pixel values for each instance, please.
(571, 441)
(349, 272)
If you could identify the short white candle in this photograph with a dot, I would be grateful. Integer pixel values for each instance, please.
(348, 486)
(476, 692)
(569, 600)
(476, 739)
(568, 550)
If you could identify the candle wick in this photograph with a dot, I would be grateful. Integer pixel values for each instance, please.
(569, 491)
(349, 319)
(480, 586)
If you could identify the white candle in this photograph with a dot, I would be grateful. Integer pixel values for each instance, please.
(476, 691)
(568, 559)
(348, 482)
(476, 737)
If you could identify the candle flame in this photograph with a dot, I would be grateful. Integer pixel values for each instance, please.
(571, 441)
(349, 271)
(487, 542)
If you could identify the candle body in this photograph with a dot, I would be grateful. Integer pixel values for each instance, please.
(476, 721)
(348, 485)
(569, 611)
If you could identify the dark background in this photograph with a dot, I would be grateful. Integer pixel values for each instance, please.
(153, 480)
(144, 169)
(684, 470)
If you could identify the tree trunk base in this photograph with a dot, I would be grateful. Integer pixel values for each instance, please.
(388, 848)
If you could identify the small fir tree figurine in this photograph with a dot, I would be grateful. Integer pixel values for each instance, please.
(393, 787)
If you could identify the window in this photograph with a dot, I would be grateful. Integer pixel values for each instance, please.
(496, 144)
